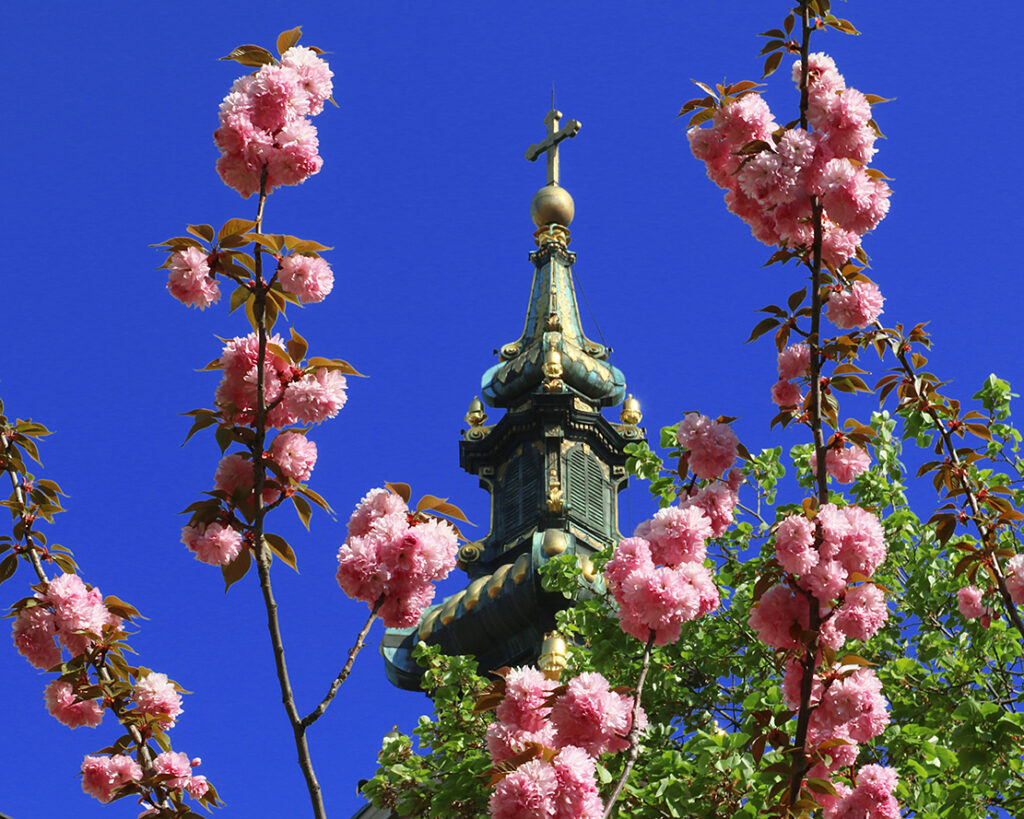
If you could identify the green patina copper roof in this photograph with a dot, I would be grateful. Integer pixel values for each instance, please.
(553, 325)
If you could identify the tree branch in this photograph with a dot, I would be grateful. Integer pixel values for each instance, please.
(318, 712)
(634, 732)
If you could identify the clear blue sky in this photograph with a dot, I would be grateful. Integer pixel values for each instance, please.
(424, 195)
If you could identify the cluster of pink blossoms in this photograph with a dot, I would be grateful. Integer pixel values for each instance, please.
(299, 397)
(580, 721)
(658, 577)
(848, 705)
(105, 776)
(292, 455)
(772, 189)
(395, 557)
(264, 123)
(70, 612)
(970, 599)
(191, 281)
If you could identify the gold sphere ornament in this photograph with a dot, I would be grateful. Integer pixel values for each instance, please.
(552, 205)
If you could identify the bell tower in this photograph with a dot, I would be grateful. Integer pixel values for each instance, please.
(553, 464)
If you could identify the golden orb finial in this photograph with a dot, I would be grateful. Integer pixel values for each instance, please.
(552, 205)
(476, 416)
(630, 414)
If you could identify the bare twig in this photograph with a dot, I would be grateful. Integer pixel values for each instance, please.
(634, 733)
(318, 712)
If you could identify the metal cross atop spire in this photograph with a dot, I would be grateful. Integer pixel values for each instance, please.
(550, 145)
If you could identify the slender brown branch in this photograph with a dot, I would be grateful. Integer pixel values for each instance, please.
(318, 712)
(259, 547)
(634, 732)
(800, 764)
(102, 672)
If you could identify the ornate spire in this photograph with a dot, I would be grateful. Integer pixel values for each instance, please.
(553, 355)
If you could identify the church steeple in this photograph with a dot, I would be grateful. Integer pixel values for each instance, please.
(553, 354)
(553, 464)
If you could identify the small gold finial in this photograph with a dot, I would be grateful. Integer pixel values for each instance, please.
(476, 416)
(553, 364)
(630, 414)
(554, 655)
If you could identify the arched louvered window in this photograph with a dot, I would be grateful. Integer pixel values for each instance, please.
(520, 493)
(587, 491)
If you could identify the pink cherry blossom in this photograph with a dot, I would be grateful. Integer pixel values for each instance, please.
(969, 601)
(213, 543)
(576, 796)
(237, 392)
(677, 535)
(777, 615)
(855, 703)
(826, 579)
(845, 464)
(526, 793)
(102, 776)
(197, 787)
(295, 454)
(190, 280)
(157, 697)
(316, 396)
(712, 445)
(862, 613)
(717, 501)
(794, 361)
(396, 559)
(794, 541)
(313, 73)
(376, 504)
(526, 691)
(308, 278)
(873, 797)
(591, 716)
(236, 476)
(34, 630)
(1015, 578)
(63, 703)
(177, 766)
(76, 609)
(504, 741)
(857, 307)
(786, 394)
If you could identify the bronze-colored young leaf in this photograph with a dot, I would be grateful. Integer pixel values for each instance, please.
(763, 327)
(772, 63)
(202, 231)
(201, 422)
(236, 569)
(235, 227)
(403, 490)
(703, 87)
(8, 566)
(297, 347)
(278, 350)
(286, 39)
(308, 246)
(338, 364)
(270, 314)
(251, 55)
(280, 547)
(303, 508)
(238, 297)
(701, 117)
